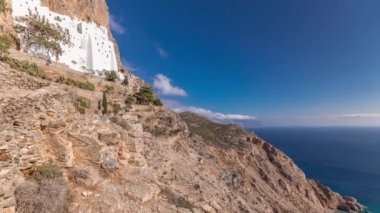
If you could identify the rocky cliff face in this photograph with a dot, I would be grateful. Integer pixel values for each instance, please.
(87, 10)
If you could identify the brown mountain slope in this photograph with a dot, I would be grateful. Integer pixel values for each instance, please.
(59, 154)
(265, 172)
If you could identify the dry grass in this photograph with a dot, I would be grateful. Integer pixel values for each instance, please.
(177, 199)
(79, 175)
(46, 196)
(45, 191)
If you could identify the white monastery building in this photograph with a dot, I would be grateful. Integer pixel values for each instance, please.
(91, 50)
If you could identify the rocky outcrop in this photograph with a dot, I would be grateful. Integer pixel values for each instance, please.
(87, 10)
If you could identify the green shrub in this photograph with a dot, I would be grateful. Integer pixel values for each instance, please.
(129, 100)
(3, 6)
(25, 66)
(111, 76)
(114, 120)
(71, 82)
(116, 108)
(145, 95)
(157, 102)
(84, 103)
(5, 43)
(86, 86)
(61, 80)
(109, 88)
(45, 172)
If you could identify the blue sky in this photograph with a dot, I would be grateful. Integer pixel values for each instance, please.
(273, 62)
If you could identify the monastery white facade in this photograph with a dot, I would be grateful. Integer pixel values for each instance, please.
(91, 50)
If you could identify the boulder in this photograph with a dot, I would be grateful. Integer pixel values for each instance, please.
(108, 160)
(109, 137)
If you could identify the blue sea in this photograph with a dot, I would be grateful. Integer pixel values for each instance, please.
(345, 159)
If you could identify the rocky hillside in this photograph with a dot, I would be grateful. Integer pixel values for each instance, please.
(58, 154)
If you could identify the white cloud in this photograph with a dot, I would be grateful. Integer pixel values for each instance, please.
(161, 51)
(361, 115)
(164, 86)
(116, 26)
(214, 116)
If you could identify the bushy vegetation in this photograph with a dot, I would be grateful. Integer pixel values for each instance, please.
(116, 108)
(129, 100)
(157, 102)
(3, 6)
(36, 31)
(146, 96)
(25, 66)
(44, 190)
(109, 88)
(5, 44)
(79, 175)
(114, 120)
(45, 172)
(111, 76)
(85, 103)
(71, 82)
(86, 86)
(177, 200)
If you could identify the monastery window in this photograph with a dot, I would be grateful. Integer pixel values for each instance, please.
(57, 18)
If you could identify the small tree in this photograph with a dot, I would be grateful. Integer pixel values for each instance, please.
(145, 95)
(105, 103)
(5, 44)
(36, 31)
(129, 100)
